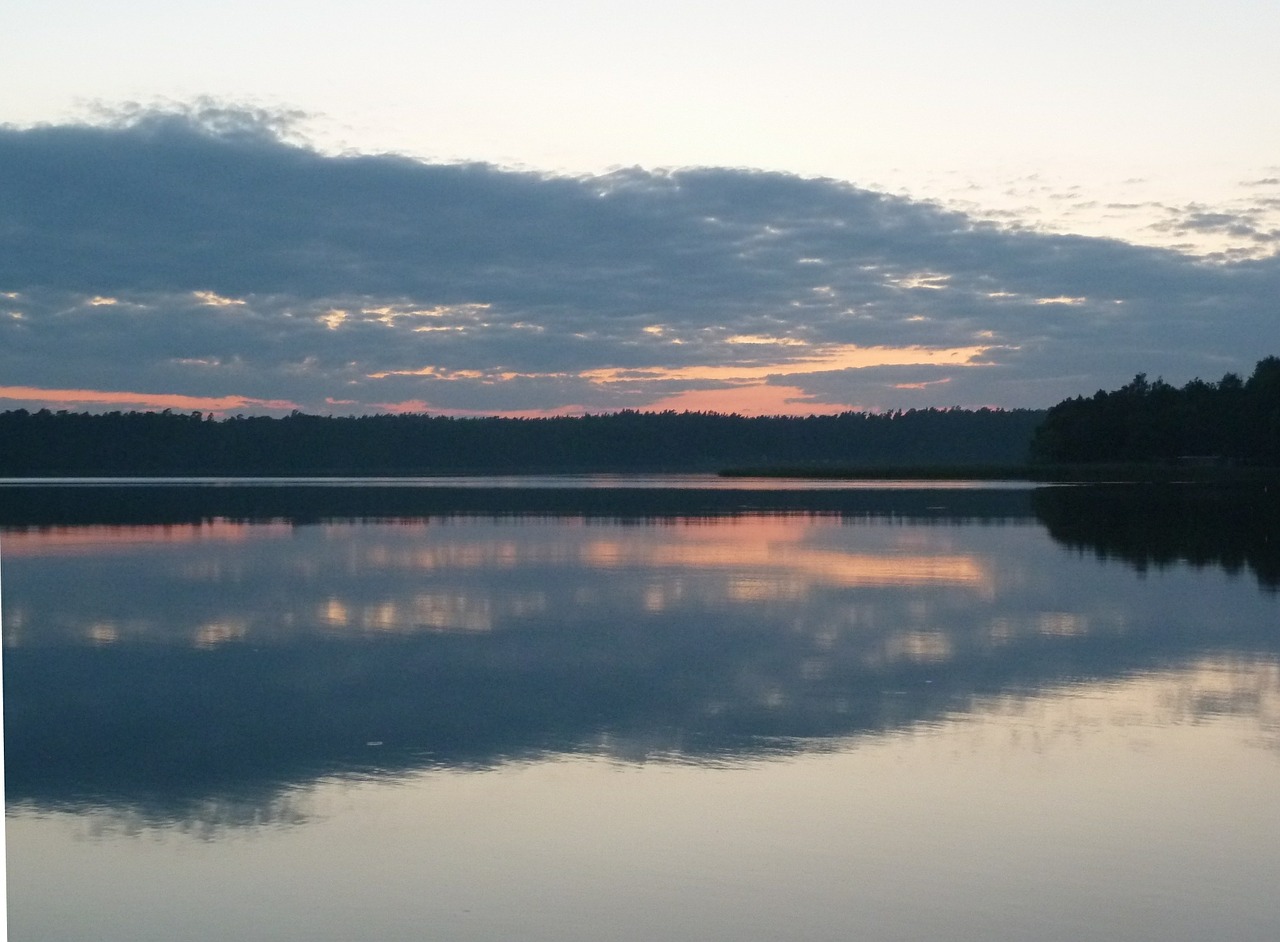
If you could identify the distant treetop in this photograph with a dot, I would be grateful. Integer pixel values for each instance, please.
(1231, 421)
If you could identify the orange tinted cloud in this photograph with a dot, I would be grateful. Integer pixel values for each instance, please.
(755, 399)
(924, 385)
(64, 398)
(421, 405)
(842, 357)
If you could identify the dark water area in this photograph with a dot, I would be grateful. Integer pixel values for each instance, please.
(648, 708)
(150, 501)
(1154, 525)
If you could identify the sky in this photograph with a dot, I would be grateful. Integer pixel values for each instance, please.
(566, 207)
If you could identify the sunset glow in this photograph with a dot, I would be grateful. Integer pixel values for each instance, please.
(844, 357)
(748, 399)
(96, 400)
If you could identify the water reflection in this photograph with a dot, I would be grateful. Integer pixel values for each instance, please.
(1155, 526)
(199, 672)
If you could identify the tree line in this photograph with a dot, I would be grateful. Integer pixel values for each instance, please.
(171, 443)
(1232, 421)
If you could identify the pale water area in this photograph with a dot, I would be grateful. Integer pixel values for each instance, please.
(958, 713)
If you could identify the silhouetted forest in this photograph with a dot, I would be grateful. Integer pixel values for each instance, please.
(1230, 421)
(167, 443)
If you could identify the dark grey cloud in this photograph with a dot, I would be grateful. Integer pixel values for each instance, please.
(208, 253)
(1252, 222)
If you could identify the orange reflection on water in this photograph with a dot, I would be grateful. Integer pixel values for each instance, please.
(828, 566)
(922, 647)
(220, 631)
(100, 539)
(774, 562)
(429, 611)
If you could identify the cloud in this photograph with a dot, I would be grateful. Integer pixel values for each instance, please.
(1254, 222)
(91, 399)
(207, 253)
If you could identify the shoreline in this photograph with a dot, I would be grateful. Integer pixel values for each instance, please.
(1046, 474)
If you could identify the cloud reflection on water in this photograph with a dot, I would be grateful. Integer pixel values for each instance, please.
(231, 662)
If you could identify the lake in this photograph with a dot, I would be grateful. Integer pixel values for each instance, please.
(640, 708)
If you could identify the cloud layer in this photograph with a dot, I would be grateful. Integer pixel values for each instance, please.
(203, 254)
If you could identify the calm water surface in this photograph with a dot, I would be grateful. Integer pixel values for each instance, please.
(962, 713)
